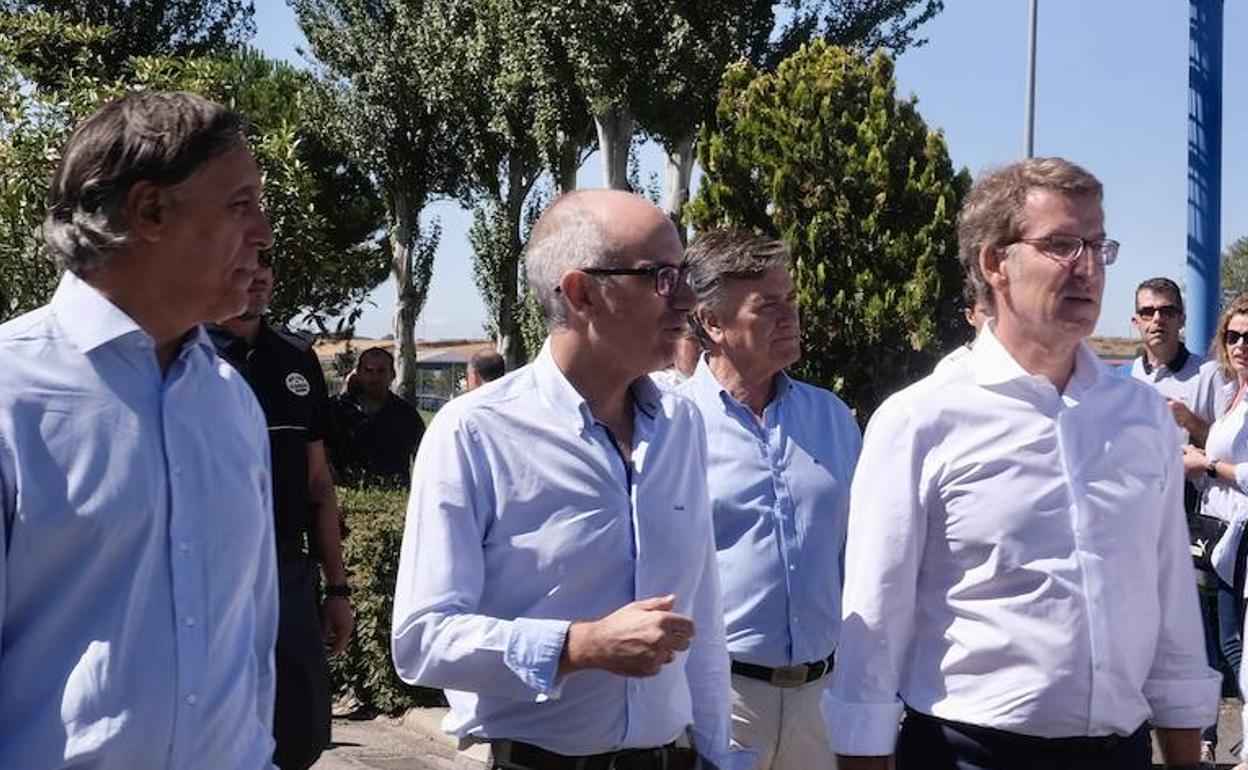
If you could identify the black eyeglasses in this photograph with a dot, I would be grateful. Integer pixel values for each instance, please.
(1168, 312)
(1066, 249)
(667, 278)
(1231, 337)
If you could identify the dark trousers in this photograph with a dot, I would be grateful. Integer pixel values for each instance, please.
(301, 718)
(928, 743)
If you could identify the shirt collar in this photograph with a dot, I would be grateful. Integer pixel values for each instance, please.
(90, 320)
(571, 406)
(704, 380)
(992, 364)
(1175, 364)
(87, 317)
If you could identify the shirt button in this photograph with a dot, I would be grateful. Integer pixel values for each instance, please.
(184, 546)
(177, 469)
(190, 622)
(793, 568)
(191, 700)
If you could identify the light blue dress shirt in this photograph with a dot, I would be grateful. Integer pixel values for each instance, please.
(137, 566)
(523, 516)
(780, 493)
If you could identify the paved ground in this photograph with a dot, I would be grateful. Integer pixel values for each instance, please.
(415, 742)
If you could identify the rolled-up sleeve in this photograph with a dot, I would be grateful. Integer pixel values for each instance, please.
(438, 639)
(884, 544)
(1181, 689)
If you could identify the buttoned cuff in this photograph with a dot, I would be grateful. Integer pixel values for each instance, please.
(861, 729)
(1184, 703)
(534, 647)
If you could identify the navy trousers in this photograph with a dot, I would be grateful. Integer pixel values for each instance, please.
(928, 743)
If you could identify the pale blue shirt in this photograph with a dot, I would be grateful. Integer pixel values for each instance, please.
(523, 516)
(780, 494)
(137, 564)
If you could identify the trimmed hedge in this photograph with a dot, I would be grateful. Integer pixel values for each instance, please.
(374, 532)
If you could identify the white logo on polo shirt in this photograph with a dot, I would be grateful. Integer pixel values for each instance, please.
(298, 384)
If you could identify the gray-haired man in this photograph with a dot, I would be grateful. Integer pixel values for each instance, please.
(137, 580)
(781, 456)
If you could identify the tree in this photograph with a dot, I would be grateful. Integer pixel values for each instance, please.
(1235, 269)
(377, 55)
(324, 210)
(822, 154)
(148, 27)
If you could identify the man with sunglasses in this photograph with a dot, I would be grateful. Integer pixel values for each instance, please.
(1194, 390)
(1188, 381)
(557, 575)
(1018, 582)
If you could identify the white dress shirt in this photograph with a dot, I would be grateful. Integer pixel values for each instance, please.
(523, 516)
(1017, 559)
(138, 588)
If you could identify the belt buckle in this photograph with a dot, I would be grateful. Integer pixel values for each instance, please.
(790, 676)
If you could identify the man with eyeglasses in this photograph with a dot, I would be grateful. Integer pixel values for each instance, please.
(558, 575)
(1018, 583)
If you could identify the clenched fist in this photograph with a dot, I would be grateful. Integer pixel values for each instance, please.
(638, 639)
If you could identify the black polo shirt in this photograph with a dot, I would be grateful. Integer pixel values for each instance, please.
(375, 447)
(286, 377)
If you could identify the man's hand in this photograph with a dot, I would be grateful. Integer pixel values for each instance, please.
(1197, 428)
(337, 623)
(638, 639)
(863, 763)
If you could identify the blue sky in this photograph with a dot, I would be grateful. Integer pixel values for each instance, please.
(1111, 94)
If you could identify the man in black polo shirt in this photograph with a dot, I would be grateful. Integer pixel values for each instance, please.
(284, 372)
(374, 433)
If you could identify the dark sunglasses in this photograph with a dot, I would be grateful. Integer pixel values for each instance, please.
(1169, 312)
(1230, 337)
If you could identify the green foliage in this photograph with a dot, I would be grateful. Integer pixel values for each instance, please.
(145, 28)
(325, 211)
(1235, 269)
(863, 25)
(822, 154)
(374, 518)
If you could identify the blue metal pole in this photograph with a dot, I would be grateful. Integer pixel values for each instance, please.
(1204, 171)
(1029, 133)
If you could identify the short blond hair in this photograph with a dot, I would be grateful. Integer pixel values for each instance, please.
(992, 213)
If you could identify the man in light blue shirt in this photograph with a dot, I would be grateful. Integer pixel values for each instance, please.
(557, 574)
(781, 457)
(138, 602)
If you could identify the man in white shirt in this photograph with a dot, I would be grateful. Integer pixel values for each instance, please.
(558, 574)
(1017, 577)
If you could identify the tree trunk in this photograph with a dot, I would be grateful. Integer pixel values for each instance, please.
(679, 173)
(615, 136)
(411, 281)
(510, 343)
(568, 164)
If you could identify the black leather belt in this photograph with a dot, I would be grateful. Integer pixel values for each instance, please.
(519, 755)
(786, 676)
(1031, 745)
